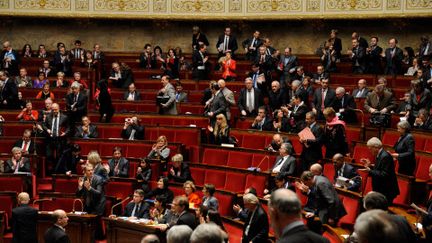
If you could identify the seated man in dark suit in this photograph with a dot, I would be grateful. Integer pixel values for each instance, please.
(137, 208)
(323, 200)
(17, 163)
(423, 120)
(285, 163)
(119, 165)
(256, 226)
(379, 101)
(262, 122)
(320, 74)
(362, 91)
(285, 211)
(9, 91)
(69, 159)
(25, 143)
(132, 94)
(91, 189)
(347, 171)
(121, 76)
(180, 207)
(57, 233)
(86, 130)
(179, 171)
(344, 105)
(24, 220)
(132, 129)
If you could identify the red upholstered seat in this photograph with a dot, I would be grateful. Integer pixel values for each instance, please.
(6, 205)
(65, 185)
(428, 145)
(366, 185)
(352, 207)
(422, 170)
(198, 175)
(59, 203)
(329, 171)
(177, 190)
(235, 231)
(187, 137)
(390, 138)
(253, 141)
(239, 159)
(235, 182)
(215, 177)
(361, 151)
(215, 157)
(194, 154)
(87, 146)
(111, 132)
(263, 162)
(352, 134)
(404, 197)
(331, 237)
(14, 184)
(225, 203)
(259, 182)
(420, 142)
(119, 189)
(137, 150)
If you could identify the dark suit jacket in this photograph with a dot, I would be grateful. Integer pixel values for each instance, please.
(125, 80)
(328, 101)
(405, 147)
(136, 97)
(326, 200)
(56, 235)
(218, 105)
(30, 147)
(300, 234)
(187, 218)
(9, 92)
(350, 172)
(393, 64)
(267, 126)
(266, 66)
(276, 100)
(139, 134)
(185, 174)
(374, 61)
(232, 43)
(424, 102)
(93, 133)
(143, 211)
(63, 123)
(13, 67)
(77, 51)
(248, 42)
(349, 115)
(373, 101)
(94, 199)
(24, 168)
(312, 153)
(319, 77)
(258, 101)
(123, 167)
(359, 57)
(81, 105)
(258, 226)
(289, 166)
(196, 39)
(65, 66)
(299, 116)
(363, 95)
(24, 224)
(291, 63)
(384, 177)
(337, 46)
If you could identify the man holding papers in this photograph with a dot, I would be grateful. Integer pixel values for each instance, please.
(311, 138)
(346, 175)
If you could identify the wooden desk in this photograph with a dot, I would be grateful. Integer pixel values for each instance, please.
(80, 228)
(119, 230)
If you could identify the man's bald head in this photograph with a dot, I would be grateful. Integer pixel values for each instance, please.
(316, 169)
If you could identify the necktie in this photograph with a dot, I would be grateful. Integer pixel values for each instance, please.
(322, 99)
(17, 166)
(226, 43)
(25, 146)
(359, 93)
(253, 42)
(132, 135)
(279, 162)
(135, 210)
(116, 168)
(268, 52)
(255, 80)
(55, 127)
(250, 101)
(75, 98)
(177, 97)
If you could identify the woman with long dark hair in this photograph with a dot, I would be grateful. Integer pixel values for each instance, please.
(106, 109)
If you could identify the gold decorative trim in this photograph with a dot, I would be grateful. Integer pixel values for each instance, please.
(4, 4)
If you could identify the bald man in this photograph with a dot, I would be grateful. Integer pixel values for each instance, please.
(24, 220)
(347, 171)
(316, 169)
(57, 233)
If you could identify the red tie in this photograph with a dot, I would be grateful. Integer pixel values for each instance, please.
(25, 146)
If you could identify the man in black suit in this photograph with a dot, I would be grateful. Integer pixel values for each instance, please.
(78, 53)
(383, 174)
(57, 232)
(200, 63)
(287, 65)
(215, 105)
(70, 158)
(285, 163)
(255, 75)
(180, 207)
(198, 38)
(8, 92)
(179, 171)
(132, 94)
(76, 103)
(277, 96)
(423, 120)
(24, 220)
(285, 211)
(362, 91)
(311, 151)
(25, 143)
(323, 97)
(425, 49)
(250, 99)
(323, 200)
(10, 59)
(320, 74)
(137, 208)
(62, 61)
(251, 45)
(344, 105)
(119, 165)
(393, 57)
(121, 76)
(226, 42)
(86, 129)
(262, 122)
(91, 189)
(132, 129)
(373, 57)
(361, 41)
(296, 90)
(256, 227)
(348, 171)
(358, 57)
(265, 63)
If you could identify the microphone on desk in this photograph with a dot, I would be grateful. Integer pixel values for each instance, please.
(257, 168)
(117, 204)
(82, 205)
(41, 200)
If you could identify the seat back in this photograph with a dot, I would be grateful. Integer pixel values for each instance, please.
(215, 157)
(258, 181)
(59, 203)
(329, 171)
(422, 170)
(352, 207)
(198, 176)
(235, 182)
(119, 189)
(215, 177)
(404, 197)
(239, 159)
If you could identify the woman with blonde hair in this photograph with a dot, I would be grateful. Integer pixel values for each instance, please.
(160, 149)
(101, 169)
(220, 132)
(193, 198)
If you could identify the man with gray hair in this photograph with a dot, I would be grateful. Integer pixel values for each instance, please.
(76, 104)
(344, 106)
(285, 163)
(250, 99)
(256, 227)
(295, 90)
(379, 101)
(179, 234)
(229, 97)
(207, 233)
(286, 220)
(383, 173)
